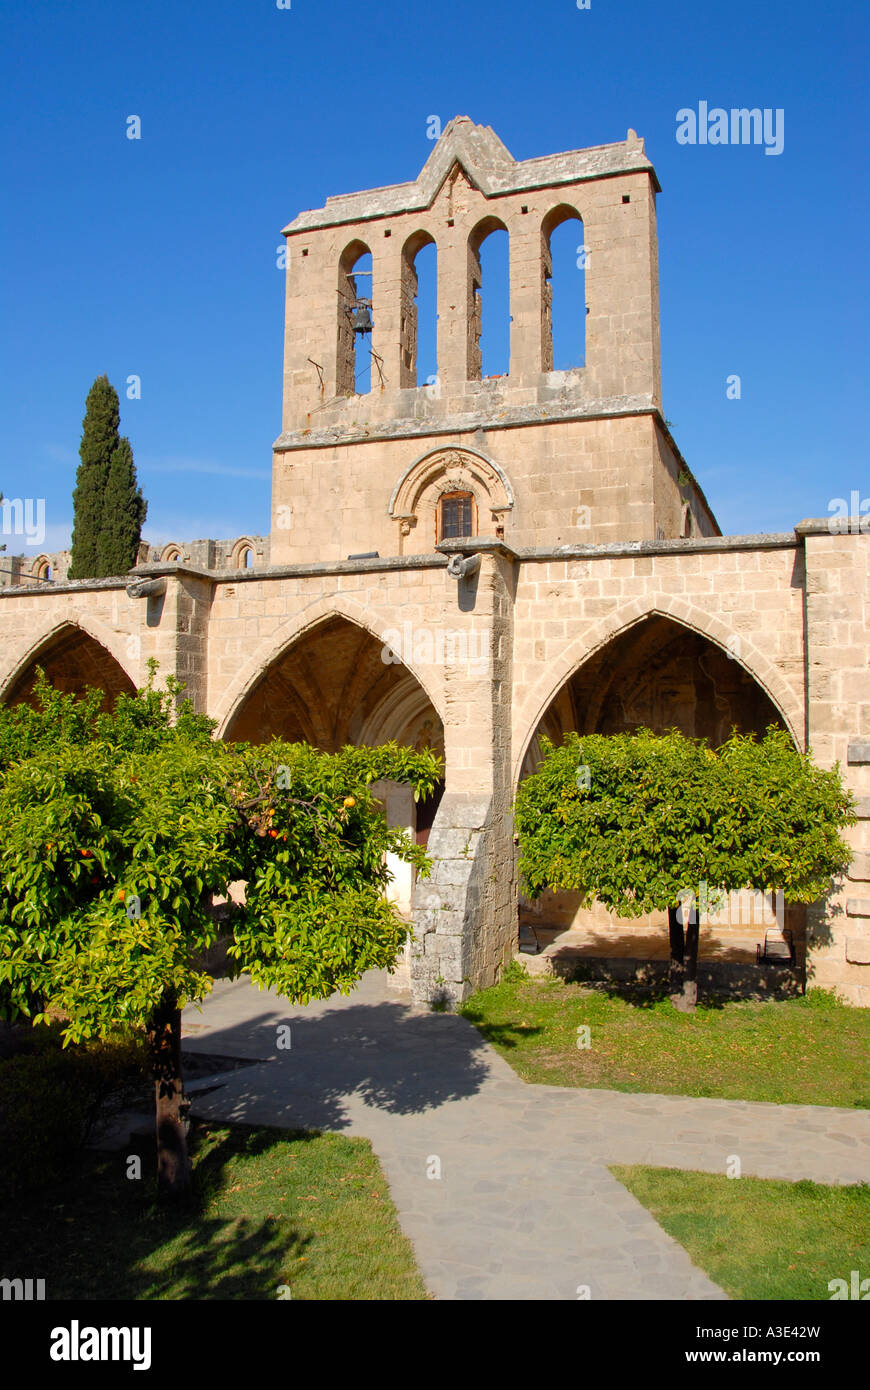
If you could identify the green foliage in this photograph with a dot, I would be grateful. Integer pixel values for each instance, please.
(50, 1100)
(514, 972)
(138, 724)
(108, 505)
(100, 439)
(315, 917)
(117, 840)
(52, 719)
(124, 511)
(661, 815)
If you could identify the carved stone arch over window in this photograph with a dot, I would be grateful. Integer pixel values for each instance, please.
(171, 553)
(444, 475)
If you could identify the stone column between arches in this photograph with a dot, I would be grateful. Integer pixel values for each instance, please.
(465, 912)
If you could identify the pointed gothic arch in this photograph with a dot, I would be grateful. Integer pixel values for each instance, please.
(785, 700)
(659, 672)
(72, 659)
(332, 683)
(335, 683)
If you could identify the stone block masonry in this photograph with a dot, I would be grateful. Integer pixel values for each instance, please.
(537, 541)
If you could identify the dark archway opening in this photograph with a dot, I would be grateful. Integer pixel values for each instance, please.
(658, 675)
(338, 685)
(72, 661)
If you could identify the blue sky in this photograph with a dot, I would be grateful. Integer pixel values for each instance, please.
(158, 257)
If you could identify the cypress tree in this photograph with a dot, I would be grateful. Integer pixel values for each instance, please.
(108, 506)
(99, 441)
(124, 510)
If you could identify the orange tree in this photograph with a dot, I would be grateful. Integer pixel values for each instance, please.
(117, 839)
(640, 822)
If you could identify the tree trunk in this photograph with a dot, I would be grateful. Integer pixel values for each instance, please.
(164, 1047)
(677, 967)
(690, 984)
(683, 973)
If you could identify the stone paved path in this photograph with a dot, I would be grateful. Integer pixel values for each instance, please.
(525, 1206)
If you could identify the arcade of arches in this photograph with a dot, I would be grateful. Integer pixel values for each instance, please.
(590, 563)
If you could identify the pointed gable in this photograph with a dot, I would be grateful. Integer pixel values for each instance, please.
(487, 164)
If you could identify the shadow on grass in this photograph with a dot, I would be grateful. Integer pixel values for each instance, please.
(645, 996)
(505, 1035)
(101, 1235)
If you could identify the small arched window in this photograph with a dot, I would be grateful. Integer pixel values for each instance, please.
(246, 559)
(172, 554)
(457, 515)
(43, 570)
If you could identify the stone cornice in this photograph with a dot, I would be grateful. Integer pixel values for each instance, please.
(822, 526)
(684, 546)
(437, 559)
(511, 417)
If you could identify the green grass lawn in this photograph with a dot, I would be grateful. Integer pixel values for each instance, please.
(807, 1051)
(271, 1208)
(758, 1238)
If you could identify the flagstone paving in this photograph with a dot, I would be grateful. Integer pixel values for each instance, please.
(502, 1187)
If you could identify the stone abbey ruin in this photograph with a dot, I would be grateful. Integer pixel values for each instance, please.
(473, 561)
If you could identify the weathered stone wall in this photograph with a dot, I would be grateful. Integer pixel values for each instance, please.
(585, 450)
(578, 482)
(837, 599)
(580, 499)
(36, 570)
(518, 628)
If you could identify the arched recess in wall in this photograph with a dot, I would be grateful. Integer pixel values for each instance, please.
(564, 258)
(333, 686)
(488, 300)
(656, 674)
(419, 313)
(353, 374)
(72, 661)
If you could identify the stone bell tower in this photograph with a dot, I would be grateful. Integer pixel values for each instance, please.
(380, 480)
(578, 456)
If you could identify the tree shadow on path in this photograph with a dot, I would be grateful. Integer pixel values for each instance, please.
(385, 1054)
